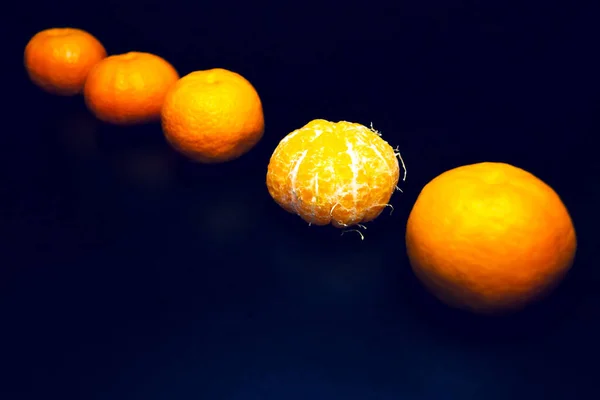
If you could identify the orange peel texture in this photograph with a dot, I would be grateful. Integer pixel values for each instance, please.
(489, 238)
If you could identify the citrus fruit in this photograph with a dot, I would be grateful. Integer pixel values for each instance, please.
(338, 173)
(489, 238)
(58, 60)
(213, 116)
(129, 88)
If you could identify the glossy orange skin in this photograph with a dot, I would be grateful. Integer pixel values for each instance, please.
(213, 116)
(58, 60)
(489, 238)
(129, 88)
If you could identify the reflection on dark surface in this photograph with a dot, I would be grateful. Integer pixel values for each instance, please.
(132, 273)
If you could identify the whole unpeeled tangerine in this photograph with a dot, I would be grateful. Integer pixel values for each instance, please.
(489, 238)
(129, 88)
(212, 116)
(58, 60)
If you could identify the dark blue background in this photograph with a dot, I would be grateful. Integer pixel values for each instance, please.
(130, 273)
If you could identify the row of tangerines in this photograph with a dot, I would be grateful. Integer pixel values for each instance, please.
(210, 116)
(486, 237)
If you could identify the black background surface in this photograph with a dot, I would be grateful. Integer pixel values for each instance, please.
(129, 272)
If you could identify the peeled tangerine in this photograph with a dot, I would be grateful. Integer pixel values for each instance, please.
(340, 173)
(489, 238)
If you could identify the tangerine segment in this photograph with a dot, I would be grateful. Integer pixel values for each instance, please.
(489, 237)
(58, 60)
(340, 173)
